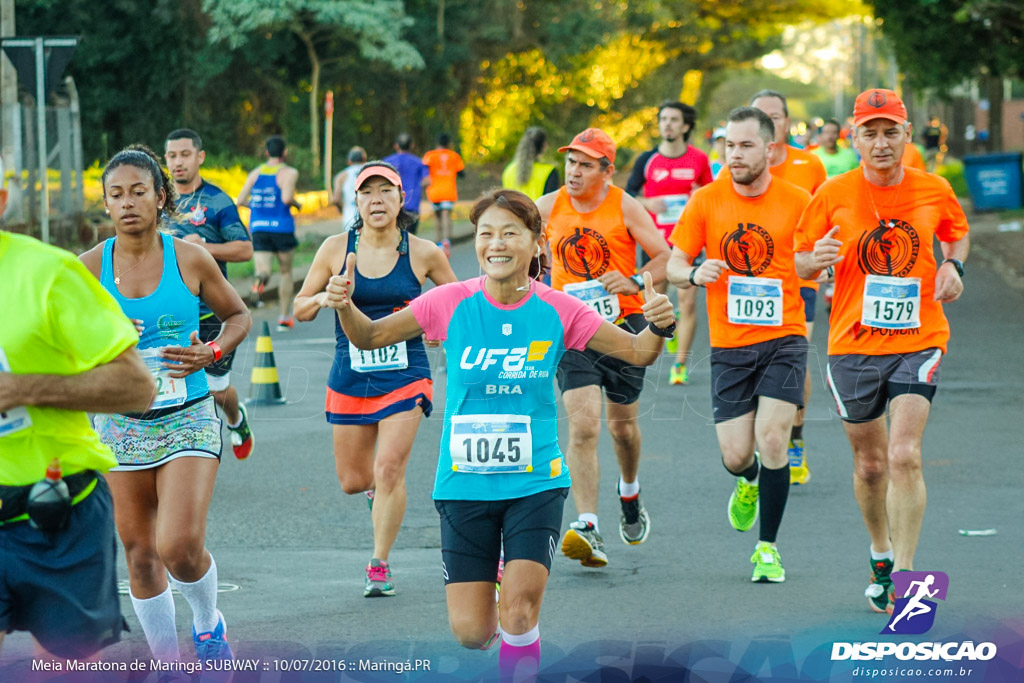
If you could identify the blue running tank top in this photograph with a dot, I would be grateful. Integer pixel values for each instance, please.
(500, 438)
(267, 213)
(381, 371)
(169, 316)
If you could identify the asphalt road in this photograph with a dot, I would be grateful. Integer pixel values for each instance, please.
(291, 547)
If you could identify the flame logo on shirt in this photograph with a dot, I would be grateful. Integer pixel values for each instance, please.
(748, 250)
(889, 249)
(584, 253)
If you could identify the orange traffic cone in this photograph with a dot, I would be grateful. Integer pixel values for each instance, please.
(264, 387)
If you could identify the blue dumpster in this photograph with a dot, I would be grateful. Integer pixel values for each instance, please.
(994, 181)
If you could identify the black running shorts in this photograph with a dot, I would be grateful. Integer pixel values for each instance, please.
(773, 369)
(274, 241)
(62, 587)
(621, 381)
(472, 532)
(862, 385)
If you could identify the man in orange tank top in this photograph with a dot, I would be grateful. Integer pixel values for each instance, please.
(592, 229)
(756, 321)
(805, 170)
(876, 226)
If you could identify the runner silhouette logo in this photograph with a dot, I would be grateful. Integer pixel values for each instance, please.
(914, 610)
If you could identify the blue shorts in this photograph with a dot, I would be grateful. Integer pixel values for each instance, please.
(62, 588)
(810, 297)
(444, 206)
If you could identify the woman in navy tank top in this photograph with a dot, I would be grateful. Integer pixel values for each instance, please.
(375, 399)
(169, 455)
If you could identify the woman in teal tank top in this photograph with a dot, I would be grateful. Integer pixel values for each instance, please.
(169, 455)
(501, 478)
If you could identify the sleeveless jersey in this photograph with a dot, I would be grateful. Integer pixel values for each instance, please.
(169, 315)
(534, 188)
(267, 212)
(584, 246)
(501, 363)
(377, 298)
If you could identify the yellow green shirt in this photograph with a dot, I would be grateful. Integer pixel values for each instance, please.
(55, 319)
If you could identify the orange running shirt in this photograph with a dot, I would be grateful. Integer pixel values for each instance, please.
(444, 164)
(912, 157)
(585, 246)
(754, 235)
(919, 209)
(804, 170)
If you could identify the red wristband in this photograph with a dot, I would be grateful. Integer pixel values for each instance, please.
(217, 353)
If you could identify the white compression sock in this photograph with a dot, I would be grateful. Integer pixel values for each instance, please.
(202, 598)
(629, 490)
(156, 615)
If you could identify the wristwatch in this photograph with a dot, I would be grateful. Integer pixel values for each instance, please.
(957, 263)
(638, 280)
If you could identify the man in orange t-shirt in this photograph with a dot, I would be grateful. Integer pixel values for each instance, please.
(876, 226)
(807, 170)
(756, 319)
(912, 157)
(445, 165)
(592, 228)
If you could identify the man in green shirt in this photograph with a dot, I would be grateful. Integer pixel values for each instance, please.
(65, 349)
(836, 159)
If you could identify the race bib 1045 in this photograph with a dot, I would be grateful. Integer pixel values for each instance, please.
(491, 444)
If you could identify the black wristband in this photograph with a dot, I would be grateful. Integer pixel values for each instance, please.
(693, 272)
(667, 332)
(638, 280)
(957, 263)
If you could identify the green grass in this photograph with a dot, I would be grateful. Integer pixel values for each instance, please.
(953, 171)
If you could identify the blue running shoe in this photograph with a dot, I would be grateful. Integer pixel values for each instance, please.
(212, 645)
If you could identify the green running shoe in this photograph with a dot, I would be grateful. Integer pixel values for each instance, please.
(743, 505)
(678, 375)
(767, 564)
(880, 587)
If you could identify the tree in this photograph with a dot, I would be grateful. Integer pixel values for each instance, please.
(987, 45)
(368, 27)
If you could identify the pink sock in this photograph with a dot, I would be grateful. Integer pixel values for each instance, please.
(519, 657)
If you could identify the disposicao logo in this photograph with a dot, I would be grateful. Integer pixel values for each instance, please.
(913, 614)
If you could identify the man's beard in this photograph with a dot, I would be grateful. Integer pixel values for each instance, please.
(755, 172)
